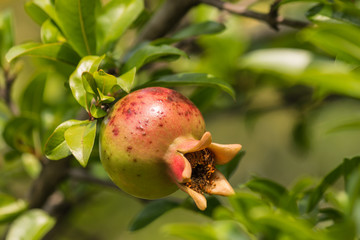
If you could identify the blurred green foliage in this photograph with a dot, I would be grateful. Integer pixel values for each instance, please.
(84, 58)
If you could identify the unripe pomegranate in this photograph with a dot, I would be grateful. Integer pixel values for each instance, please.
(154, 142)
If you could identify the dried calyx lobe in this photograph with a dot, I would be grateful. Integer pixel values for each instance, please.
(154, 142)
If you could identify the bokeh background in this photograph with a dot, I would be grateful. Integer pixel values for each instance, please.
(286, 132)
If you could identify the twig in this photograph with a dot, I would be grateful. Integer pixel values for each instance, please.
(164, 20)
(52, 174)
(83, 175)
(242, 11)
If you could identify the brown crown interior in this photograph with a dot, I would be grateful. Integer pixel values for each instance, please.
(203, 167)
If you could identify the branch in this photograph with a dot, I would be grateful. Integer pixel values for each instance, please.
(84, 176)
(242, 11)
(53, 172)
(166, 18)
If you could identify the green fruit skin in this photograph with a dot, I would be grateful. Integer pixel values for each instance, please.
(139, 136)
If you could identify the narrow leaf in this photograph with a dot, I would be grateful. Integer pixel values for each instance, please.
(31, 165)
(126, 81)
(56, 147)
(32, 225)
(104, 98)
(87, 64)
(50, 32)
(35, 12)
(80, 139)
(47, 7)
(77, 21)
(148, 53)
(6, 34)
(10, 207)
(54, 51)
(151, 212)
(89, 83)
(195, 79)
(114, 18)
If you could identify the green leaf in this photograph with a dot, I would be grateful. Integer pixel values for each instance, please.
(114, 18)
(104, 82)
(18, 133)
(97, 111)
(151, 212)
(32, 225)
(228, 169)
(274, 192)
(89, 83)
(336, 39)
(81, 139)
(339, 11)
(77, 21)
(319, 191)
(149, 53)
(56, 147)
(10, 207)
(35, 12)
(50, 32)
(126, 81)
(54, 51)
(208, 27)
(212, 204)
(191, 232)
(195, 79)
(104, 98)
(6, 34)
(47, 7)
(31, 165)
(349, 126)
(87, 64)
(32, 98)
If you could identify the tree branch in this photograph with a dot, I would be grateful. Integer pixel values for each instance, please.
(168, 16)
(83, 175)
(242, 11)
(53, 172)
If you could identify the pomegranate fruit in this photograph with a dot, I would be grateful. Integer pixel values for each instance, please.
(153, 142)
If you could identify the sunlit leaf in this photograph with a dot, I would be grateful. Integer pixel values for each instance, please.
(50, 32)
(87, 64)
(10, 207)
(31, 164)
(337, 39)
(47, 7)
(149, 53)
(54, 51)
(97, 111)
(104, 82)
(6, 34)
(151, 212)
(56, 147)
(126, 81)
(80, 139)
(35, 12)
(114, 18)
(192, 79)
(77, 21)
(105, 98)
(32, 225)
